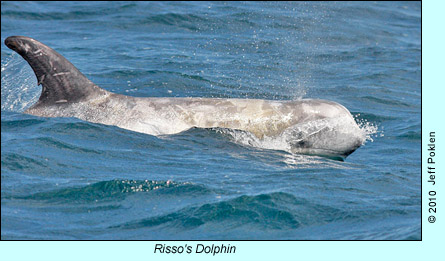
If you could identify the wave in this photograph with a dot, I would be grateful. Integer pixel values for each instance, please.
(26, 15)
(113, 190)
(271, 211)
(384, 101)
(276, 215)
(266, 211)
(411, 132)
(16, 162)
(43, 13)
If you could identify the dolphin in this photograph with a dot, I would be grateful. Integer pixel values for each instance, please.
(307, 126)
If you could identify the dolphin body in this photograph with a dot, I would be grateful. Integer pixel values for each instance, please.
(308, 126)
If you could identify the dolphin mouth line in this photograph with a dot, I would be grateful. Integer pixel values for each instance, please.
(336, 152)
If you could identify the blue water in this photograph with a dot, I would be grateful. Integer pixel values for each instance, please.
(62, 178)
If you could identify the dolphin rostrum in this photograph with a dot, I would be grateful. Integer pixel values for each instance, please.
(308, 126)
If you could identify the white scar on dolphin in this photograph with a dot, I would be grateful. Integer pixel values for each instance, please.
(308, 126)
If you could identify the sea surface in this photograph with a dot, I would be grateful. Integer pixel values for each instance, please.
(63, 178)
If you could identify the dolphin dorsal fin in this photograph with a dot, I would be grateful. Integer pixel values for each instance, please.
(61, 81)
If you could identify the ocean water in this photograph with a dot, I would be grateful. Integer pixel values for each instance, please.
(63, 178)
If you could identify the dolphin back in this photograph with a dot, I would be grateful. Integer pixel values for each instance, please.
(61, 81)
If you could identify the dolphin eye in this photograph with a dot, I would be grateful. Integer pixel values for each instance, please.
(302, 144)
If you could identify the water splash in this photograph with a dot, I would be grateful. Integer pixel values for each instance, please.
(19, 89)
(370, 130)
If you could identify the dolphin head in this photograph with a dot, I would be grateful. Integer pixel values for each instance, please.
(328, 130)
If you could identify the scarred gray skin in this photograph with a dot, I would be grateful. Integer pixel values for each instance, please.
(66, 92)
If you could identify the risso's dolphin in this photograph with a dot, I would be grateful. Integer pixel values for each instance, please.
(308, 126)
